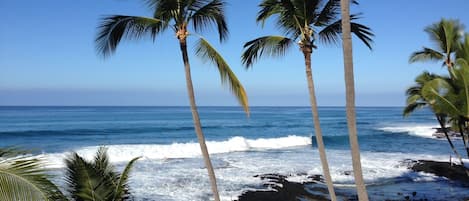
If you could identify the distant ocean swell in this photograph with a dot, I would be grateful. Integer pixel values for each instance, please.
(425, 131)
(85, 132)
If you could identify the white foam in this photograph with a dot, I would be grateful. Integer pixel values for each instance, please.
(186, 178)
(123, 153)
(425, 131)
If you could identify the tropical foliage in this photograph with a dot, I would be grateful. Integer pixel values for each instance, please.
(179, 16)
(446, 96)
(97, 179)
(446, 34)
(23, 177)
(309, 22)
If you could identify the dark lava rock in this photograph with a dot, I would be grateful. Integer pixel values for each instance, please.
(282, 190)
(442, 169)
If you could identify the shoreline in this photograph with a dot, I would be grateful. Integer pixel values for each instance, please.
(279, 188)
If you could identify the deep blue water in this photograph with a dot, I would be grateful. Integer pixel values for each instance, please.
(271, 140)
(62, 128)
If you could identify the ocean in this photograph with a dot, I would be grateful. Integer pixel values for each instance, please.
(272, 140)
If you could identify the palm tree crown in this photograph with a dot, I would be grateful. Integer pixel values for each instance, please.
(96, 179)
(446, 34)
(179, 15)
(307, 21)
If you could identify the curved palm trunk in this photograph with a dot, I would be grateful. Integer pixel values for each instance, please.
(195, 117)
(317, 127)
(441, 121)
(465, 138)
(350, 100)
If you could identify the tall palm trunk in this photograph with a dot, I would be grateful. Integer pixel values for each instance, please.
(195, 117)
(350, 100)
(317, 128)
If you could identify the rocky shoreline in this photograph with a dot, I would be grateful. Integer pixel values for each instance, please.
(278, 188)
(440, 133)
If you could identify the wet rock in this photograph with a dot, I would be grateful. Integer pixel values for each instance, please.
(442, 169)
(281, 190)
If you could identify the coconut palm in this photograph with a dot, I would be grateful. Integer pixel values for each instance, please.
(307, 21)
(462, 55)
(23, 177)
(422, 94)
(97, 179)
(446, 34)
(450, 98)
(350, 100)
(183, 17)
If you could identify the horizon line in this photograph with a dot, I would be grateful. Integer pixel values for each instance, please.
(197, 106)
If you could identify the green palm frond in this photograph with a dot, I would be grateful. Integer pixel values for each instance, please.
(102, 164)
(84, 181)
(363, 33)
(205, 51)
(463, 50)
(268, 8)
(211, 13)
(122, 185)
(272, 46)
(411, 108)
(306, 10)
(167, 10)
(331, 33)
(425, 77)
(114, 28)
(24, 178)
(445, 33)
(97, 179)
(288, 15)
(415, 100)
(413, 90)
(9, 152)
(328, 14)
(290, 19)
(440, 96)
(426, 54)
(461, 80)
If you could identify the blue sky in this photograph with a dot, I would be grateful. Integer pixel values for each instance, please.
(48, 57)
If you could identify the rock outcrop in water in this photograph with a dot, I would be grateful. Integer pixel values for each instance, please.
(440, 133)
(442, 169)
(279, 189)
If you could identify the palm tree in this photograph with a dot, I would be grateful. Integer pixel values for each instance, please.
(450, 98)
(446, 34)
(423, 94)
(97, 179)
(350, 100)
(307, 21)
(24, 178)
(179, 15)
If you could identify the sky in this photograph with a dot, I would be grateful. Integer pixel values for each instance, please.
(48, 57)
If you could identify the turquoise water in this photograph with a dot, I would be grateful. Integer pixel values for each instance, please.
(272, 140)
